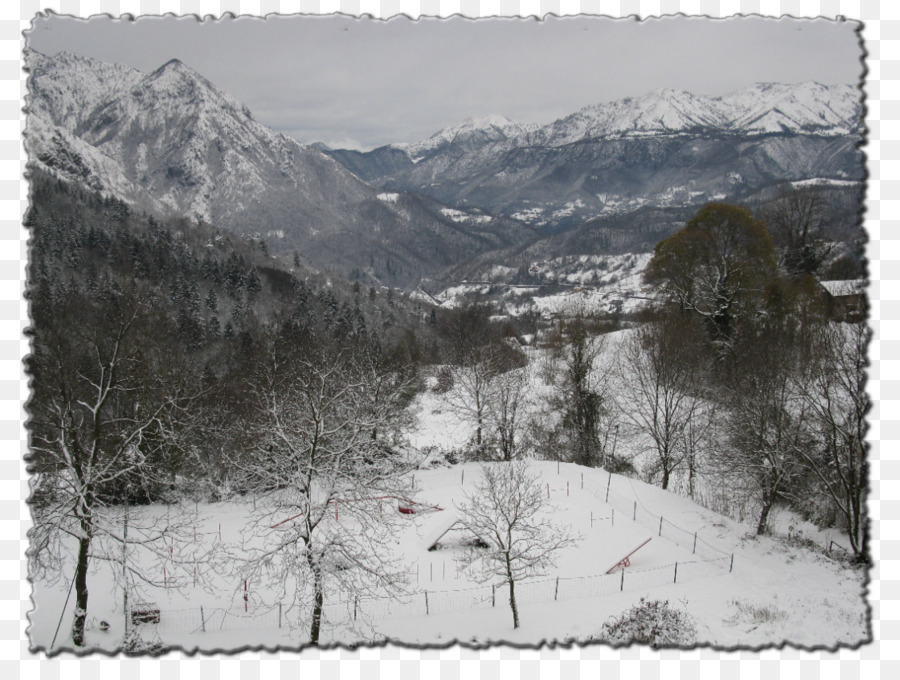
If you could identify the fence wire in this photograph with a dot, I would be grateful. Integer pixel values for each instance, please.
(436, 602)
(707, 561)
(631, 509)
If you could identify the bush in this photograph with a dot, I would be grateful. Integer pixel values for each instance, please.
(444, 380)
(619, 465)
(653, 623)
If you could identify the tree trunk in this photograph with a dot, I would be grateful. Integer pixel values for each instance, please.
(665, 477)
(316, 616)
(318, 601)
(764, 516)
(81, 591)
(512, 593)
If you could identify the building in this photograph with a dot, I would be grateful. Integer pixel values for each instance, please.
(846, 300)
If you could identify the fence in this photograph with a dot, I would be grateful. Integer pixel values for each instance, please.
(210, 619)
(710, 561)
(436, 602)
(631, 509)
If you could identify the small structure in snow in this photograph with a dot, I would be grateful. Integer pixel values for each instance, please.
(846, 300)
(626, 561)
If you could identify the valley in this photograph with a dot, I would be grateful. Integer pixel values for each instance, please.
(595, 380)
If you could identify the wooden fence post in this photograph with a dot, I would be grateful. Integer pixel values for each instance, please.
(203, 619)
(426, 603)
(676, 573)
(556, 591)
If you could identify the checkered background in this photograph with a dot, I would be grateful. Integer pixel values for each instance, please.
(881, 34)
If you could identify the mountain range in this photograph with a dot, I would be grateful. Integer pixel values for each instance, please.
(170, 142)
(667, 148)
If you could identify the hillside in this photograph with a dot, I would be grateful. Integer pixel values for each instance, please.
(765, 594)
(171, 143)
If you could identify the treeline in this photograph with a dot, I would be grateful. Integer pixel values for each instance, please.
(744, 384)
(740, 388)
(177, 303)
(171, 359)
(782, 380)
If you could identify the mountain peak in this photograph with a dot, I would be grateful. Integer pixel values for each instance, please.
(475, 130)
(174, 65)
(493, 120)
(175, 68)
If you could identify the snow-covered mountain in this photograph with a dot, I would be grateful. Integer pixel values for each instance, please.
(67, 88)
(805, 108)
(764, 108)
(471, 133)
(666, 148)
(171, 142)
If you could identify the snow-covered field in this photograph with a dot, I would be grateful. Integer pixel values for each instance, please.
(741, 589)
(772, 594)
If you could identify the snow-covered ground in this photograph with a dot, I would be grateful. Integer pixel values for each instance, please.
(741, 589)
(775, 590)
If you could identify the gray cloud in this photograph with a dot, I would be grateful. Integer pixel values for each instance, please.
(376, 82)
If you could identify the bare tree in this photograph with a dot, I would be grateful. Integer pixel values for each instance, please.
(474, 390)
(834, 394)
(510, 515)
(323, 454)
(662, 372)
(506, 410)
(582, 395)
(795, 221)
(107, 420)
(765, 421)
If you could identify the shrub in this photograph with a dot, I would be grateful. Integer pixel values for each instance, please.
(653, 623)
(444, 380)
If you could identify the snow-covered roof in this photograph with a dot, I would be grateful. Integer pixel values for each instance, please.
(842, 288)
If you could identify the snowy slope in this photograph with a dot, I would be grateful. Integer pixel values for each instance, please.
(809, 108)
(67, 88)
(663, 111)
(767, 595)
(762, 108)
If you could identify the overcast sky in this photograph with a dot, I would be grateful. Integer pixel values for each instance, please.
(363, 83)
